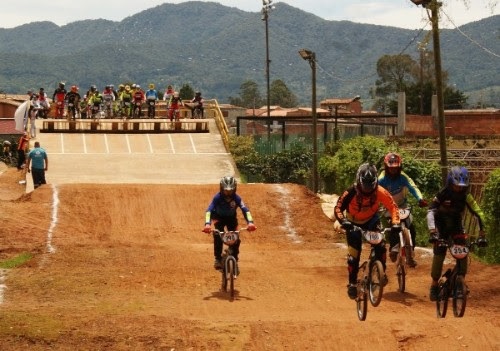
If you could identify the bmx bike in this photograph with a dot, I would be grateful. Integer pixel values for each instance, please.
(452, 283)
(229, 269)
(371, 285)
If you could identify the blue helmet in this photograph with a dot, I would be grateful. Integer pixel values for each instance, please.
(458, 176)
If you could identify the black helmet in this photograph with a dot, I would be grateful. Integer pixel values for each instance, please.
(198, 93)
(228, 185)
(366, 178)
(458, 176)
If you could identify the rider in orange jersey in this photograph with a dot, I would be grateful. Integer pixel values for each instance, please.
(359, 206)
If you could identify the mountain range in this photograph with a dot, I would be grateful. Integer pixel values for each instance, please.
(215, 48)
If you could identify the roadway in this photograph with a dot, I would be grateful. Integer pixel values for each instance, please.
(183, 158)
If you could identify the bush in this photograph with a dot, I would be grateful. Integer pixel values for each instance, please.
(491, 207)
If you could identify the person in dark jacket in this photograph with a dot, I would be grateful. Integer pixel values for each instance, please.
(444, 218)
(222, 212)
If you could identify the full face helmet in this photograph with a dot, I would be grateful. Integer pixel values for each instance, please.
(151, 86)
(458, 178)
(93, 88)
(228, 186)
(61, 85)
(198, 93)
(366, 178)
(393, 164)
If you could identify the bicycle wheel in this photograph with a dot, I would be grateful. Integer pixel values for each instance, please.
(375, 284)
(442, 299)
(401, 273)
(231, 271)
(459, 296)
(362, 301)
(224, 276)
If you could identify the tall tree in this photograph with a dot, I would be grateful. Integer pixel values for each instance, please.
(186, 92)
(395, 72)
(249, 96)
(281, 95)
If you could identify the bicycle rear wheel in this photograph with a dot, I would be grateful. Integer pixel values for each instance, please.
(459, 296)
(442, 299)
(362, 301)
(375, 283)
(401, 273)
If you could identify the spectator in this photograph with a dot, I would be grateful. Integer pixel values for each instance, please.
(39, 165)
(22, 148)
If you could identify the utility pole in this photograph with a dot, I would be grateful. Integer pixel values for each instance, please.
(433, 6)
(266, 7)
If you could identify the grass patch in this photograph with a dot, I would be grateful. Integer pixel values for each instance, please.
(16, 261)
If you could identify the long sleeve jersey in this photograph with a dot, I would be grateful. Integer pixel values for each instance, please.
(361, 208)
(399, 187)
(219, 207)
(449, 206)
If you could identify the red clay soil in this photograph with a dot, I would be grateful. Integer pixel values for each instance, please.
(126, 267)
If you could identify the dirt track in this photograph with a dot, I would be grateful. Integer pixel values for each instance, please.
(125, 267)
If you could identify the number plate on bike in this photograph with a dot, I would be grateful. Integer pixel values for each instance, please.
(459, 251)
(230, 238)
(373, 237)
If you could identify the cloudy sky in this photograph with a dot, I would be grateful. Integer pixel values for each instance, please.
(395, 13)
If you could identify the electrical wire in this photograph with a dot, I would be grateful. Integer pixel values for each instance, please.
(468, 37)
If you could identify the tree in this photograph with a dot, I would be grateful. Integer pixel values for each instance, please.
(401, 73)
(395, 72)
(249, 96)
(281, 95)
(186, 92)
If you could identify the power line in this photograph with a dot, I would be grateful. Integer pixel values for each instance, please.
(469, 38)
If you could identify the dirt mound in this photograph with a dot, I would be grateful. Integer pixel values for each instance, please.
(126, 267)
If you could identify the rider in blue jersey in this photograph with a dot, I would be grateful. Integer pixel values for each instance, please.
(398, 183)
(222, 212)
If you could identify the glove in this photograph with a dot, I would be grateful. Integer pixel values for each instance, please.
(481, 241)
(433, 237)
(422, 203)
(395, 229)
(207, 229)
(346, 225)
(251, 227)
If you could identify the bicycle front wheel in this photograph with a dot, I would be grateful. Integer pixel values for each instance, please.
(231, 271)
(401, 274)
(442, 299)
(375, 285)
(459, 296)
(362, 301)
